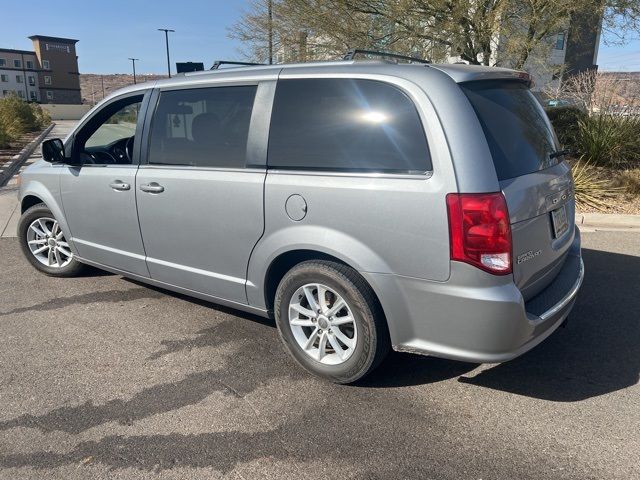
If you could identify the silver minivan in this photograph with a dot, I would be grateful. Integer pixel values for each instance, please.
(366, 205)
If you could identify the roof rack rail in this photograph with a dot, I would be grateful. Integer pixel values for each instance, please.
(350, 55)
(217, 63)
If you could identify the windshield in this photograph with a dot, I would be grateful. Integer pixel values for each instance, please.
(519, 134)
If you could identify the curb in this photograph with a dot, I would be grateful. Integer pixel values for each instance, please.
(24, 154)
(608, 221)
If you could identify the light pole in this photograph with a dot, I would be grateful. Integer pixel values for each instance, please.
(270, 29)
(133, 61)
(166, 39)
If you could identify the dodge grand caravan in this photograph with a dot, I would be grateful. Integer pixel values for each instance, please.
(365, 205)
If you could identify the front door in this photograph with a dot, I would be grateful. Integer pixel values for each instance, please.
(98, 195)
(200, 207)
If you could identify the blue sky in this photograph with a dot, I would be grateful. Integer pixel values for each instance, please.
(111, 31)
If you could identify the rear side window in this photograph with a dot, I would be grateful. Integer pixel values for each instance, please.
(517, 129)
(346, 125)
(202, 127)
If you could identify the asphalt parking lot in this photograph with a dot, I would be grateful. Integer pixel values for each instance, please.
(101, 377)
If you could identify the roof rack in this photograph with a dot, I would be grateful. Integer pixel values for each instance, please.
(217, 63)
(355, 51)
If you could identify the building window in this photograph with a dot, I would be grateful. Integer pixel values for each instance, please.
(3, 62)
(4, 78)
(33, 95)
(32, 80)
(45, 64)
(5, 93)
(47, 79)
(20, 93)
(49, 95)
(17, 64)
(19, 78)
(30, 64)
(68, 49)
(560, 41)
(46, 45)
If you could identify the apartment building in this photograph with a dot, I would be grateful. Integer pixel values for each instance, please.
(568, 52)
(572, 50)
(19, 70)
(47, 74)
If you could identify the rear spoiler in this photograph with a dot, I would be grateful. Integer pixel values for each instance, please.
(472, 73)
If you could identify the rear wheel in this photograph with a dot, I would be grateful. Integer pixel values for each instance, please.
(44, 244)
(330, 321)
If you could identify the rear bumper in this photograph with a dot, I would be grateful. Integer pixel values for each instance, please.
(475, 316)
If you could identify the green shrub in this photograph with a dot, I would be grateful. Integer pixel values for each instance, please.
(43, 119)
(608, 140)
(600, 139)
(592, 189)
(565, 122)
(629, 180)
(5, 139)
(17, 116)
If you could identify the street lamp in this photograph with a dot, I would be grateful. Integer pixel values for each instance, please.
(133, 61)
(166, 39)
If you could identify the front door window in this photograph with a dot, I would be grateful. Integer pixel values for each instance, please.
(109, 137)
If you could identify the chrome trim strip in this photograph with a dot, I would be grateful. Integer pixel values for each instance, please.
(194, 270)
(116, 251)
(330, 173)
(194, 168)
(568, 297)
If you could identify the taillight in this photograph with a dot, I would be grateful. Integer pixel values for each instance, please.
(479, 231)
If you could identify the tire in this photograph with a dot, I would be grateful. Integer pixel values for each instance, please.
(367, 339)
(62, 265)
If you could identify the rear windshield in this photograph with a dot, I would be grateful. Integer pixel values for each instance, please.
(518, 131)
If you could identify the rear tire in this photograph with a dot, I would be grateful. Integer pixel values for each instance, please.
(347, 315)
(44, 245)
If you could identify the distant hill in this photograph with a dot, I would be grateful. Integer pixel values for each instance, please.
(91, 84)
(629, 87)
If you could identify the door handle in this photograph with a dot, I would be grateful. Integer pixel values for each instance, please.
(120, 185)
(152, 187)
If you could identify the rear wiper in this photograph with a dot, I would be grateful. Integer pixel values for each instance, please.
(559, 153)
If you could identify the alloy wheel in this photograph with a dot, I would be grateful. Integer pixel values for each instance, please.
(47, 243)
(322, 324)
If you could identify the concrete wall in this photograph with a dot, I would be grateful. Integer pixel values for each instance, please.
(66, 112)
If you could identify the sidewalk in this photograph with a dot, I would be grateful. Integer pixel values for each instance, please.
(607, 221)
(9, 210)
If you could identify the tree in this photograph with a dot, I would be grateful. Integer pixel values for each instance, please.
(621, 20)
(257, 30)
(299, 30)
(489, 32)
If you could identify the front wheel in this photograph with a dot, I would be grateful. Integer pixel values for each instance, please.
(44, 244)
(330, 321)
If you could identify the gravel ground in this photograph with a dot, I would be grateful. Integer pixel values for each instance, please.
(7, 154)
(101, 377)
(625, 201)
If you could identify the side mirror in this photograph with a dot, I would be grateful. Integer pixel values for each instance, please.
(53, 150)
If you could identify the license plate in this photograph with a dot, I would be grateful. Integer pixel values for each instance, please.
(559, 220)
